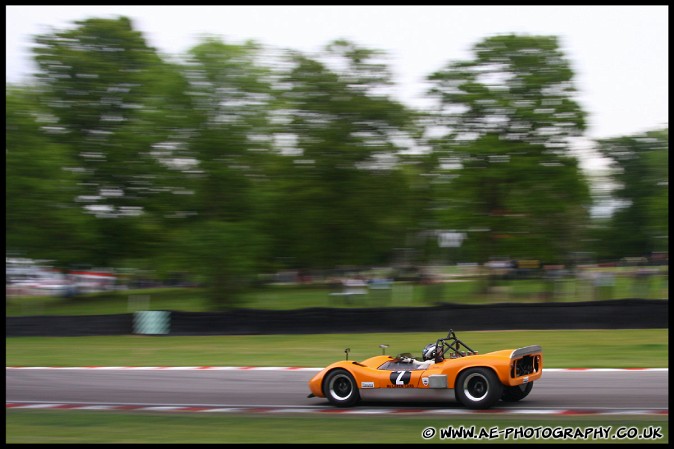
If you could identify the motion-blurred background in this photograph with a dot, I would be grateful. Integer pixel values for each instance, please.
(247, 175)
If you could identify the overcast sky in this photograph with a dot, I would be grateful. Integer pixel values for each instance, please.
(619, 53)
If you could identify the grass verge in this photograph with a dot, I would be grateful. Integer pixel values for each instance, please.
(625, 348)
(288, 297)
(26, 426)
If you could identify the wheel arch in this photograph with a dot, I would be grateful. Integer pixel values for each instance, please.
(340, 387)
(332, 370)
(467, 367)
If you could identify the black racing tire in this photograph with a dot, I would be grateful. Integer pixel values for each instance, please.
(517, 393)
(478, 388)
(340, 388)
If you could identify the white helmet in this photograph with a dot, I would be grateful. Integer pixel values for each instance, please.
(429, 352)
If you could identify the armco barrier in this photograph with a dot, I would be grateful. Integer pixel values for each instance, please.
(615, 314)
(67, 326)
(609, 314)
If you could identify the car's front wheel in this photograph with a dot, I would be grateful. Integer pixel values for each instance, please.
(517, 393)
(478, 388)
(340, 388)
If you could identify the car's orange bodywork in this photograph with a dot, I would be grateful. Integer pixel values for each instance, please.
(367, 371)
(513, 367)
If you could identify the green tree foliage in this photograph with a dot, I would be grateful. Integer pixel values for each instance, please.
(232, 97)
(342, 197)
(102, 83)
(517, 87)
(226, 142)
(236, 160)
(224, 256)
(641, 170)
(41, 219)
(506, 174)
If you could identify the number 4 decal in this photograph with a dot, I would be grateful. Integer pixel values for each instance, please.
(400, 377)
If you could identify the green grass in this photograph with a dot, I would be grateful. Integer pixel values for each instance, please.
(108, 303)
(74, 427)
(598, 348)
(562, 349)
(286, 297)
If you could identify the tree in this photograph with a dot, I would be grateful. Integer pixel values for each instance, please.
(110, 94)
(640, 168)
(519, 88)
(506, 174)
(342, 197)
(232, 98)
(226, 142)
(41, 220)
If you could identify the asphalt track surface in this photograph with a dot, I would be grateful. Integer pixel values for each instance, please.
(606, 391)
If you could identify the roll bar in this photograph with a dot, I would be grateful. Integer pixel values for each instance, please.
(453, 345)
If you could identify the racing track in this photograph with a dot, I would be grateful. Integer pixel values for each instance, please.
(284, 389)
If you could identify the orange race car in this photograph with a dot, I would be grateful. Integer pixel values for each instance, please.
(449, 370)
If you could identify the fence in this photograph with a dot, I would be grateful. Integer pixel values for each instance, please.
(609, 314)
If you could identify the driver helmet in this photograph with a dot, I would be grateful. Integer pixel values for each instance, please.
(429, 352)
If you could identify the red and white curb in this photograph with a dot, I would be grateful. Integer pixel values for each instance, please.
(283, 368)
(330, 411)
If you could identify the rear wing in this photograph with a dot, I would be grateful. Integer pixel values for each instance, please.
(526, 361)
(527, 350)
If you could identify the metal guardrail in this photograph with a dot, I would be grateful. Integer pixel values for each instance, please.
(608, 314)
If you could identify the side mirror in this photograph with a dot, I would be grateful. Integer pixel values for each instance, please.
(383, 348)
(346, 351)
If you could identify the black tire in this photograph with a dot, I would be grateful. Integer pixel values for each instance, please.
(517, 393)
(478, 388)
(340, 388)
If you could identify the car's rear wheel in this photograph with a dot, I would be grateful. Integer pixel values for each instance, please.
(516, 393)
(478, 388)
(340, 388)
